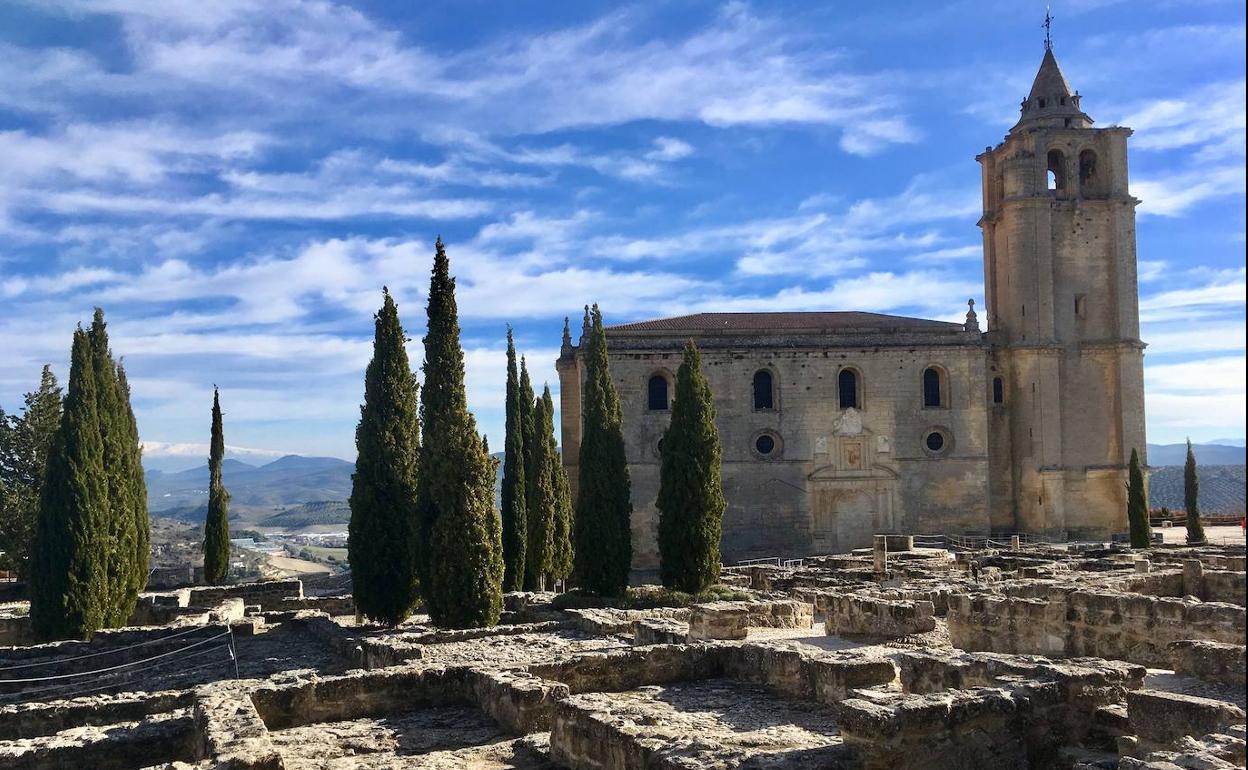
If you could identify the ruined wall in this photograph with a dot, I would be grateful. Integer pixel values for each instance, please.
(1130, 627)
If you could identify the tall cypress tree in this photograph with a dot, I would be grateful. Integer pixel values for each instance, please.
(1191, 501)
(539, 558)
(603, 535)
(382, 538)
(1137, 505)
(68, 593)
(217, 524)
(691, 499)
(133, 462)
(463, 560)
(125, 542)
(561, 502)
(514, 493)
(527, 430)
(25, 442)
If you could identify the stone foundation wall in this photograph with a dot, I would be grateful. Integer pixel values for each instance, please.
(1211, 661)
(1159, 720)
(268, 594)
(1130, 627)
(731, 620)
(856, 615)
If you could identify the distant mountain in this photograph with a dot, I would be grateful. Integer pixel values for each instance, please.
(1221, 488)
(1227, 441)
(1206, 454)
(289, 480)
(309, 515)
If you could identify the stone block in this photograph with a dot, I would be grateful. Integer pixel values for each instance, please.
(1160, 719)
(858, 615)
(1211, 661)
(719, 620)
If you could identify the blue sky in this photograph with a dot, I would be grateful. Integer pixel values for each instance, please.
(235, 181)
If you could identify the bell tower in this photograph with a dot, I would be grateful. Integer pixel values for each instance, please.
(1066, 403)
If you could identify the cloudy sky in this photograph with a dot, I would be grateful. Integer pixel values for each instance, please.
(234, 182)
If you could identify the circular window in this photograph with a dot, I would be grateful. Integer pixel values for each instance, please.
(765, 444)
(937, 441)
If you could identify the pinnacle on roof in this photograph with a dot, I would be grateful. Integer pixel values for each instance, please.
(1049, 82)
(1052, 103)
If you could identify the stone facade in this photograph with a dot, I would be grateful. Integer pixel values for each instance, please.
(1031, 423)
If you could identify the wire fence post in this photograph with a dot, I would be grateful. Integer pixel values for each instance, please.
(233, 652)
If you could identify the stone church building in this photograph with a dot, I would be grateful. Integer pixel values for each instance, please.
(838, 425)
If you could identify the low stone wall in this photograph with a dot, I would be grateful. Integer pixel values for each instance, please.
(659, 631)
(1071, 623)
(731, 620)
(268, 594)
(1211, 661)
(857, 615)
(153, 740)
(605, 621)
(331, 605)
(628, 669)
(1159, 720)
(1006, 723)
(31, 720)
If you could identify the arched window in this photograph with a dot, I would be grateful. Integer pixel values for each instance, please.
(656, 391)
(933, 388)
(1087, 171)
(764, 393)
(998, 390)
(1057, 170)
(847, 389)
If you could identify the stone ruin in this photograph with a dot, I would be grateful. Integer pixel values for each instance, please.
(1042, 657)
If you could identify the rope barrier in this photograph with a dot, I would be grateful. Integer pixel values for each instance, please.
(26, 694)
(117, 667)
(59, 661)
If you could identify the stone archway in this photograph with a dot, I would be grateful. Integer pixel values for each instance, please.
(848, 507)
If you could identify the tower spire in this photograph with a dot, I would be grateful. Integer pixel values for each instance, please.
(1048, 29)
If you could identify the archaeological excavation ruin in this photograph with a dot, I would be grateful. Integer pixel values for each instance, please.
(1027, 656)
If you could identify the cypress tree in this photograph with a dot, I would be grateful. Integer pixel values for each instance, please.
(382, 537)
(67, 581)
(24, 445)
(527, 431)
(561, 547)
(1137, 505)
(463, 560)
(691, 498)
(125, 541)
(217, 524)
(541, 504)
(1191, 494)
(133, 460)
(602, 528)
(514, 494)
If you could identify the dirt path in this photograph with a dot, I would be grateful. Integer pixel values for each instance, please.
(298, 566)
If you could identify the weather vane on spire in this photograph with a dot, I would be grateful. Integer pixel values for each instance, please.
(1048, 29)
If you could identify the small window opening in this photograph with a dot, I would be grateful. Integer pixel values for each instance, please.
(847, 385)
(765, 444)
(1063, 102)
(1041, 104)
(933, 388)
(1081, 306)
(657, 393)
(1087, 170)
(763, 390)
(935, 442)
(998, 390)
(1056, 170)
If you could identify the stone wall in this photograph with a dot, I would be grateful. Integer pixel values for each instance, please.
(858, 615)
(1212, 661)
(731, 620)
(836, 476)
(269, 594)
(1159, 720)
(1072, 623)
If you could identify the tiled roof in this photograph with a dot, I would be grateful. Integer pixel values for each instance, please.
(760, 322)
